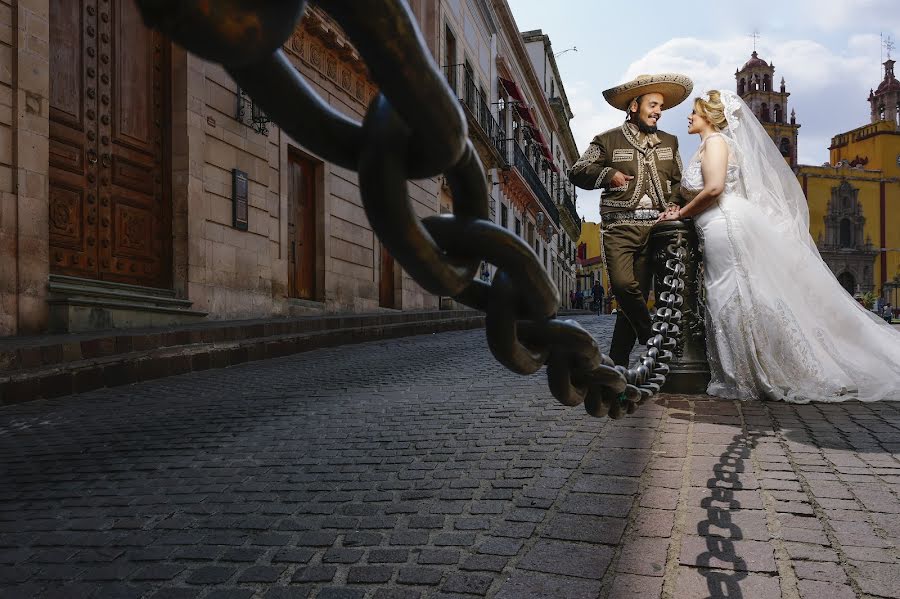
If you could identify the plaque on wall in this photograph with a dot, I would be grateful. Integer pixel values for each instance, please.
(239, 196)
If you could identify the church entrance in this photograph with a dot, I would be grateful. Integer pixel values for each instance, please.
(110, 206)
(847, 282)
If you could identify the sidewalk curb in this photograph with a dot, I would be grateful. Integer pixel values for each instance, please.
(79, 376)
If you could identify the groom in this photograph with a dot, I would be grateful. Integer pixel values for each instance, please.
(639, 170)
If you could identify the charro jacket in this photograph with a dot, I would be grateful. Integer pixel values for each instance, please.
(652, 160)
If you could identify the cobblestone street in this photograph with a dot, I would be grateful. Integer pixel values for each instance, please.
(419, 467)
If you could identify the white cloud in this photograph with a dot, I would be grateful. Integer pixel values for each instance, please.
(835, 15)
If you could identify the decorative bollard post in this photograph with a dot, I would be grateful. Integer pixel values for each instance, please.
(689, 368)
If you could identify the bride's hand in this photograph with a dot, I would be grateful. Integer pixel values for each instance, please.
(673, 213)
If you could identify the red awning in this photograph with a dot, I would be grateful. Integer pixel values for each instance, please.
(513, 89)
(545, 147)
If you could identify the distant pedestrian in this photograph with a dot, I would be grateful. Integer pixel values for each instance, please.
(599, 294)
(579, 299)
(887, 313)
(571, 298)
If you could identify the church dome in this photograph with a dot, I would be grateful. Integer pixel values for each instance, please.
(755, 61)
(888, 85)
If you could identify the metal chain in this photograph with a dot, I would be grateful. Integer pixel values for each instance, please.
(414, 129)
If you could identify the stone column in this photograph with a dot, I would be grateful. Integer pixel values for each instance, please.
(24, 151)
(689, 368)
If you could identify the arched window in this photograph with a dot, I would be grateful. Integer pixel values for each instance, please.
(779, 115)
(847, 282)
(881, 112)
(764, 113)
(785, 146)
(767, 83)
(846, 240)
(742, 86)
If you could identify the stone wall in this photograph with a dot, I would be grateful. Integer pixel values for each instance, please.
(24, 113)
(225, 271)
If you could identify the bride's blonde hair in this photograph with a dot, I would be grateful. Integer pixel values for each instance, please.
(712, 110)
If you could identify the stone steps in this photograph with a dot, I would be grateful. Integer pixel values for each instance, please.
(56, 365)
(78, 304)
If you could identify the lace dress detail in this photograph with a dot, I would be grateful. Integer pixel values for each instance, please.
(779, 326)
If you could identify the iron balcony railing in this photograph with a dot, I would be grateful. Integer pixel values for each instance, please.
(570, 206)
(474, 100)
(516, 157)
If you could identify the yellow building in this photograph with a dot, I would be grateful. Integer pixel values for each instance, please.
(854, 199)
(589, 260)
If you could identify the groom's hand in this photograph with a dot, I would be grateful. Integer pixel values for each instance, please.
(619, 179)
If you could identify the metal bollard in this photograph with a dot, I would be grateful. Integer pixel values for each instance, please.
(689, 368)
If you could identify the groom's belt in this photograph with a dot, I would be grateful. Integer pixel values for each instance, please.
(643, 214)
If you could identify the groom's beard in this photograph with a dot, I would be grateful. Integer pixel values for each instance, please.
(645, 128)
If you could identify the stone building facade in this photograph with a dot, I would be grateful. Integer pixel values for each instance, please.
(139, 186)
(518, 119)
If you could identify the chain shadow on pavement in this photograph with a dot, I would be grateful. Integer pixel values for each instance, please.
(718, 529)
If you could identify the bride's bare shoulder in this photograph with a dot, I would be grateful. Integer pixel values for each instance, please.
(714, 144)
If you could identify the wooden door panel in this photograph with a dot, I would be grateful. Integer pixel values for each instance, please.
(73, 210)
(132, 175)
(67, 152)
(66, 218)
(135, 223)
(307, 235)
(67, 56)
(135, 76)
(132, 233)
(301, 227)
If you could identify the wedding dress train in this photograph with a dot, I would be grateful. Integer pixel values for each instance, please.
(779, 324)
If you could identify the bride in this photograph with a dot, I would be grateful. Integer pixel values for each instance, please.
(779, 325)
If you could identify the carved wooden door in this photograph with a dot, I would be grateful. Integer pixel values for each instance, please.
(110, 212)
(301, 227)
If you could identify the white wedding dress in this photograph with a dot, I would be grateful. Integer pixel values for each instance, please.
(779, 325)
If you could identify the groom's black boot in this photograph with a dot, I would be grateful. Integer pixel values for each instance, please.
(622, 340)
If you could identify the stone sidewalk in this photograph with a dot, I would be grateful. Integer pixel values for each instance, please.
(418, 467)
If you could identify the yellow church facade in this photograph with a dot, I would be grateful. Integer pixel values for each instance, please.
(854, 208)
(854, 199)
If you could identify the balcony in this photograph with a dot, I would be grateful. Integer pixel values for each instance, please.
(475, 105)
(516, 157)
(569, 205)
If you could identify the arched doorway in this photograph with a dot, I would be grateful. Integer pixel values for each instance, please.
(848, 282)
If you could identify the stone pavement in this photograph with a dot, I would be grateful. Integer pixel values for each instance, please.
(418, 467)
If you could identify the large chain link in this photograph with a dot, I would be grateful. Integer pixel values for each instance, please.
(414, 129)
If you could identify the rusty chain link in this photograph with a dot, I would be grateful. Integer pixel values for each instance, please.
(415, 129)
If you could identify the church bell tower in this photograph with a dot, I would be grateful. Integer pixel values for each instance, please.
(755, 85)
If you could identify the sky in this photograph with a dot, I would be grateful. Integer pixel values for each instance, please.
(828, 51)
